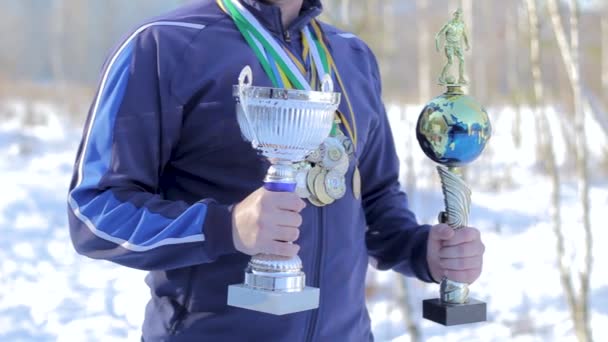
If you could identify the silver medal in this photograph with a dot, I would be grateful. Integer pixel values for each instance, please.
(316, 156)
(333, 153)
(335, 185)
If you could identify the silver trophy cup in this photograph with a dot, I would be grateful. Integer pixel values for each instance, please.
(285, 126)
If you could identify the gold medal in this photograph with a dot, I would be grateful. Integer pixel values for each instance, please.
(310, 183)
(357, 183)
(320, 191)
(310, 178)
(301, 181)
(314, 201)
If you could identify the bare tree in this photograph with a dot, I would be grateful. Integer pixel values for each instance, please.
(604, 32)
(546, 147)
(570, 57)
(424, 63)
(404, 299)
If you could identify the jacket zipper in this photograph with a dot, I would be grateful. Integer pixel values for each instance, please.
(287, 36)
(317, 280)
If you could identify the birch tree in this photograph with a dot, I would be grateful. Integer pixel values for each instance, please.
(569, 51)
(424, 61)
(604, 33)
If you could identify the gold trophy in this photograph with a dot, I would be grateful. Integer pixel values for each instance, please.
(453, 130)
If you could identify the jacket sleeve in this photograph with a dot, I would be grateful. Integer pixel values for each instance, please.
(116, 211)
(394, 238)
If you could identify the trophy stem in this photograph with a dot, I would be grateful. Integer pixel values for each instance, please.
(280, 177)
(457, 198)
(454, 305)
(275, 284)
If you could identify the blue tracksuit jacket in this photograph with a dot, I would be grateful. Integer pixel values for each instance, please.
(162, 161)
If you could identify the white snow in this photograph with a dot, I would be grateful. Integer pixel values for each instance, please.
(49, 293)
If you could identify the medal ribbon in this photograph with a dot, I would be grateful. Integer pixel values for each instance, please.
(257, 36)
(281, 66)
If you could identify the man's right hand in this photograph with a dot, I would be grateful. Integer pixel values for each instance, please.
(267, 222)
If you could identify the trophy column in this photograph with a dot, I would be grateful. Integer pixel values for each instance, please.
(453, 130)
(454, 305)
(275, 284)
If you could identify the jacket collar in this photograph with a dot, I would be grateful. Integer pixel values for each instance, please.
(270, 15)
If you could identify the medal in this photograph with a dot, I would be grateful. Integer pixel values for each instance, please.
(335, 185)
(333, 152)
(316, 156)
(357, 183)
(347, 144)
(320, 191)
(310, 178)
(301, 184)
(314, 201)
(343, 164)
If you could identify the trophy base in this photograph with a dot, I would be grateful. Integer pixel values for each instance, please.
(453, 314)
(272, 302)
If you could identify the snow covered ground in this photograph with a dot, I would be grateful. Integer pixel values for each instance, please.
(49, 293)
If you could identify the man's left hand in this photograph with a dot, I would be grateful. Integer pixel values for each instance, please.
(455, 253)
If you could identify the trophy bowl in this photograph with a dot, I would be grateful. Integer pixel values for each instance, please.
(285, 125)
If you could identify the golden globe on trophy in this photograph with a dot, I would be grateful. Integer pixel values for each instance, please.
(453, 130)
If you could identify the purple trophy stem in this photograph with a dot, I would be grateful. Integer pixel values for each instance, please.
(280, 187)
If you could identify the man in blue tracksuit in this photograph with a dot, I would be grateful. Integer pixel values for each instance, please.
(165, 182)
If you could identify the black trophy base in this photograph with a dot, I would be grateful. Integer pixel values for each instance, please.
(453, 314)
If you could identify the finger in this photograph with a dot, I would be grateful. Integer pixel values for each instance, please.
(287, 219)
(467, 249)
(462, 235)
(284, 234)
(461, 264)
(466, 276)
(289, 201)
(283, 249)
(441, 232)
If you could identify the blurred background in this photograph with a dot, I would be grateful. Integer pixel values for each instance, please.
(539, 191)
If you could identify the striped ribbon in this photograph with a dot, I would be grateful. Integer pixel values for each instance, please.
(281, 66)
(268, 50)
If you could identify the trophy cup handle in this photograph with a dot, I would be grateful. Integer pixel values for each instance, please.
(246, 77)
(245, 81)
(327, 84)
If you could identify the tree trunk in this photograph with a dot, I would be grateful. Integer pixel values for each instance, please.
(512, 74)
(546, 147)
(570, 56)
(605, 55)
(410, 321)
(345, 11)
(424, 61)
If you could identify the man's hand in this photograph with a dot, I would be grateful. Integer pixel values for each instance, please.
(266, 222)
(456, 254)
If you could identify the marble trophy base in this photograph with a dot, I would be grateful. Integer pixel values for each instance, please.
(273, 302)
(274, 285)
(473, 311)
